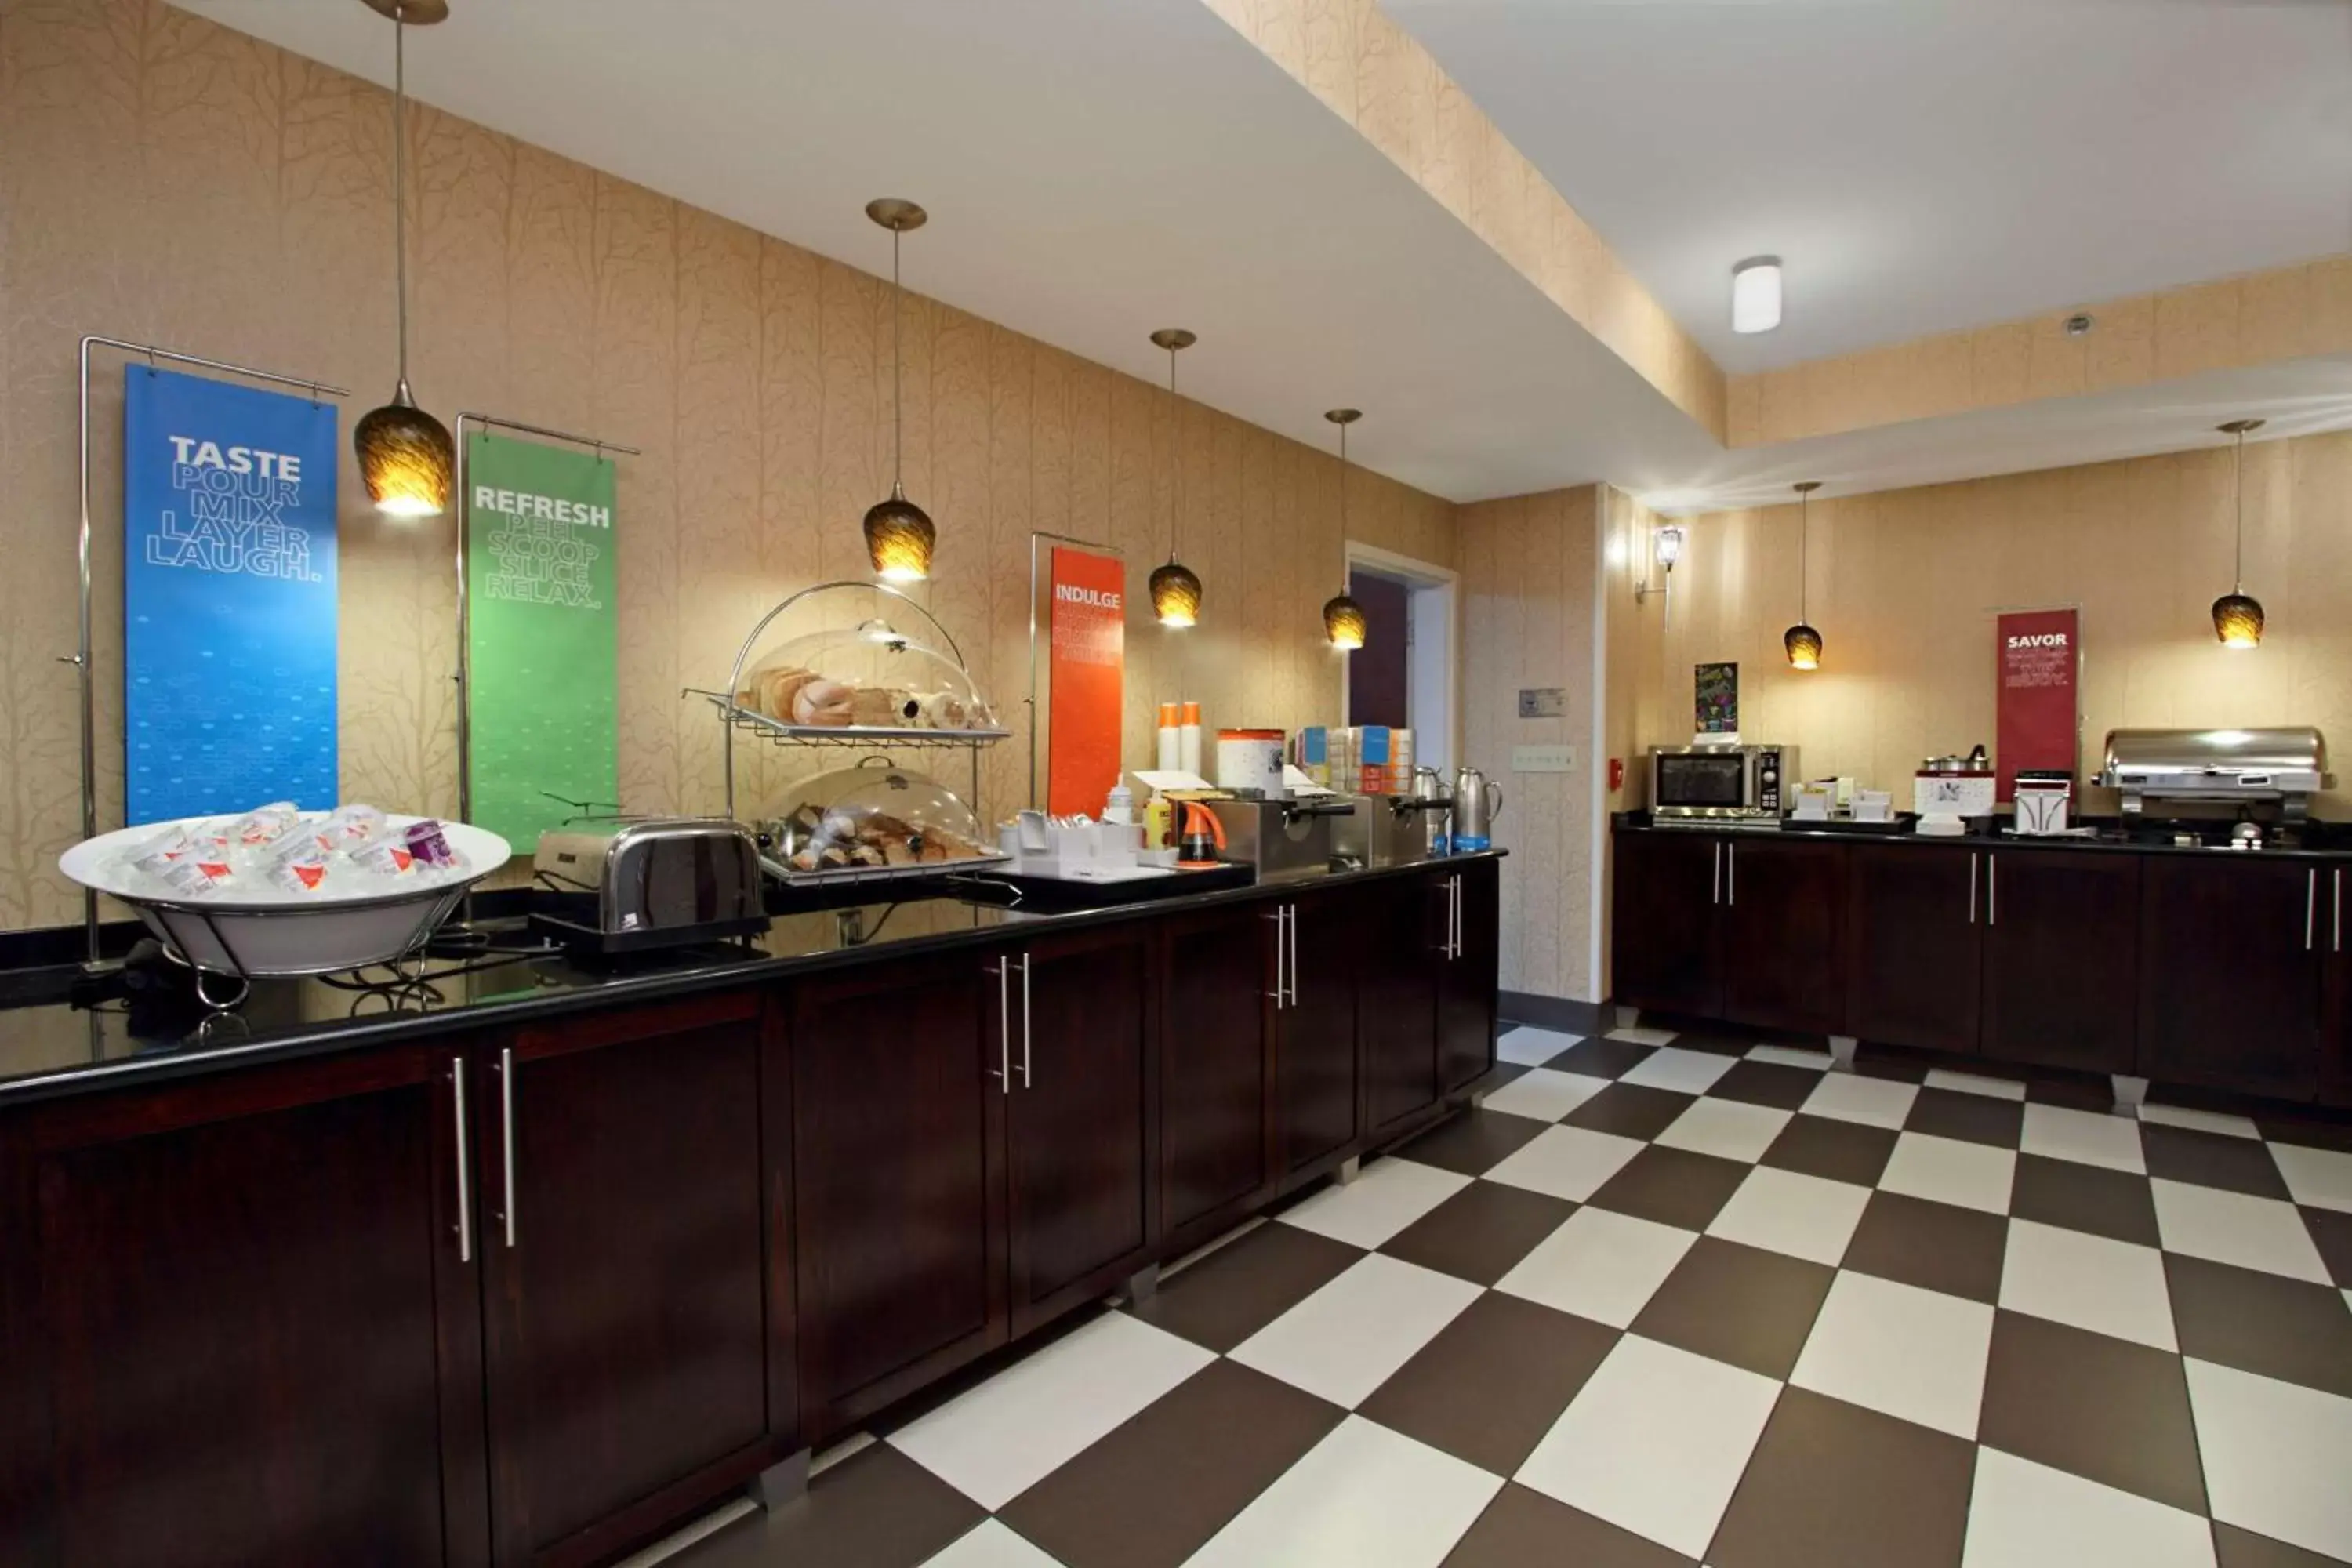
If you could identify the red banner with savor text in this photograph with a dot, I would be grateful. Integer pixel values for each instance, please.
(2037, 725)
(1087, 665)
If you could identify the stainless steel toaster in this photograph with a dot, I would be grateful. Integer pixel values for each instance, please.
(632, 884)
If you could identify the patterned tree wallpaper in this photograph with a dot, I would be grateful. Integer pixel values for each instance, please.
(166, 179)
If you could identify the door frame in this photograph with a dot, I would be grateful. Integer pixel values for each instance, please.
(1438, 588)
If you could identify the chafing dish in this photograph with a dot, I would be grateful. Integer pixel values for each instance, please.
(2284, 765)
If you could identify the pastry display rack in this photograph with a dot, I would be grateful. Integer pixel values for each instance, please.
(876, 673)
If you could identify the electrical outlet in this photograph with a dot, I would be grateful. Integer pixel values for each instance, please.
(1543, 759)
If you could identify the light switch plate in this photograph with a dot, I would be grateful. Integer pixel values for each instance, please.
(1543, 759)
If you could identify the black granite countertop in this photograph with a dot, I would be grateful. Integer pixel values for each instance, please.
(2329, 842)
(57, 1040)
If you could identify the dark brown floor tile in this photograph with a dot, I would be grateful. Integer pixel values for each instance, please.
(1737, 1304)
(1245, 1285)
(1672, 1187)
(1935, 1246)
(1524, 1529)
(2113, 1204)
(1152, 1491)
(2235, 1548)
(1472, 1143)
(2092, 1405)
(2086, 1092)
(1878, 1061)
(2332, 1233)
(1481, 1232)
(1629, 1111)
(1601, 1057)
(1974, 1118)
(1832, 1483)
(1715, 1041)
(877, 1509)
(1775, 1084)
(2310, 1132)
(2210, 1160)
(2287, 1328)
(1837, 1151)
(1492, 1382)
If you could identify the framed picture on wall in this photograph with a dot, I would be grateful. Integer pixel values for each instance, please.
(1714, 693)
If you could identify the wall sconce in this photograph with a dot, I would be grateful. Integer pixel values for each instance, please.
(1665, 548)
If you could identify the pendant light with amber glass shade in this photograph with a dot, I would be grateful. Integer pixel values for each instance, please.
(1343, 619)
(898, 534)
(1802, 642)
(407, 457)
(2237, 614)
(1175, 589)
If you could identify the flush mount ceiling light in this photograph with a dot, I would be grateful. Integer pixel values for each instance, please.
(898, 534)
(407, 457)
(2237, 614)
(1343, 619)
(1802, 642)
(1756, 294)
(1175, 590)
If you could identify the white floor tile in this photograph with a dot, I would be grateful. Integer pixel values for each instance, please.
(2276, 1456)
(1654, 1442)
(1951, 1171)
(1685, 1072)
(1344, 1340)
(995, 1441)
(1599, 1265)
(1390, 1195)
(2085, 1137)
(2201, 1121)
(1531, 1046)
(1787, 1211)
(1545, 1095)
(2319, 1178)
(1915, 1354)
(1364, 1497)
(1873, 1101)
(1789, 1057)
(2091, 1282)
(1635, 1035)
(1566, 1162)
(2024, 1515)
(2236, 1227)
(990, 1544)
(1975, 1083)
(1730, 1128)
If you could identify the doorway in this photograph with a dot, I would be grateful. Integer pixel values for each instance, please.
(1403, 674)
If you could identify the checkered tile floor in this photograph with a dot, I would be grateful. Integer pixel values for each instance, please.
(1671, 1299)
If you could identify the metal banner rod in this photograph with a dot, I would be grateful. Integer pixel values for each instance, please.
(464, 677)
(81, 655)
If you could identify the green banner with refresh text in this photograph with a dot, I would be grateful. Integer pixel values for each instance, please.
(542, 636)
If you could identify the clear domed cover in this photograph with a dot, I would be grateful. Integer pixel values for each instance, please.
(866, 676)
(872, 817)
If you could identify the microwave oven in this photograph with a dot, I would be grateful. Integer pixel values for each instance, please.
(1696, 785)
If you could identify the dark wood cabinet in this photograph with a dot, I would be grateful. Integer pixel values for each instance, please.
(1217, 1018)
(1404, 926)
(1077, 1120)
(1781, 932)
(1667, 887)
(240, 1323)
(2232, 980)
(1915, 938)
(1468, 981)
(1317, 1105)
(626, 1326)
(2061, 960)
(898, 1096)
(2335, 1039)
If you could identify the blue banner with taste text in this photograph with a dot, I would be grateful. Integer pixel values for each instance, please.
(228, 598)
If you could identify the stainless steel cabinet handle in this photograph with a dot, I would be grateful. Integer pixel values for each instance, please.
(1716, 895)
(1294, 955)
(465, 1172)
(1972, 887)
(1457, 915)
(1731, 873)
(2310, 905)
(1025, 1079)
(1992, 891)
(506, 1138)
(1281, 955)
(1002, 1071)
(2335, 921)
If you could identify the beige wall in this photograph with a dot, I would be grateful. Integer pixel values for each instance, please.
(1905, 585)
(166, 179)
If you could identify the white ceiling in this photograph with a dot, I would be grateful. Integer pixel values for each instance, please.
(1096, 170)
(1920, 166)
